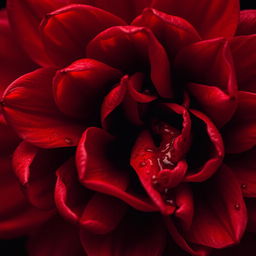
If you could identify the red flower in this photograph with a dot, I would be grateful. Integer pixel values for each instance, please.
(137, 121)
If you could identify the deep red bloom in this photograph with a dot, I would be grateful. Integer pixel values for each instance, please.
(135, 122)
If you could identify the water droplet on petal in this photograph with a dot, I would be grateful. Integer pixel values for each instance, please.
(243, 186)
(68, 141)
(170, 202)
(149, 150)
(237, 206)
(166, 190)
(142, 164)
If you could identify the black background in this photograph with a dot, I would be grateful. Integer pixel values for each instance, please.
(16, 247)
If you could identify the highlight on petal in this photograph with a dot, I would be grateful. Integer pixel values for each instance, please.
(173, 32)
(220, 218)
(206, 152)
(80, 88)
(243, 49)
(95, 212)
(66, 31)
(133, 49)
(210, 77)
(29, 107)
(35, 169)
(101, 168)
(136, 235)
(240, 133)
(14, 61)
(25, 18)
(56, 238)
(247, 23)
(210, 18)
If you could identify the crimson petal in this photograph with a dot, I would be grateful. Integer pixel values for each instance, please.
(133, 49)
(221, 217)
(243, 50)
(79, 88)
(29, 107)
(210, 76)
(66, 31)
(135, 236)
(98, 172)
(220, 18)
(247, 23)
(172, 31)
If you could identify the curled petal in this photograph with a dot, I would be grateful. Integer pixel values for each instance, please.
(29, 107)
(220, 18)
(133, 49)
(210, 76)
(80, 88)
(66, 31)
(209, 146)
(99, 171)
(239, 135)
(173, 32)
(247, 23)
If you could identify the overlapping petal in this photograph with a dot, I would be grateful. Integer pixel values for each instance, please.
(247, 23)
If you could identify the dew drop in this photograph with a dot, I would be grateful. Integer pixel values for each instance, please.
(68, 141)
(237, 206)
(170, 202)
(243, 186)
(166, 190)
(142, 164)
(149, 150)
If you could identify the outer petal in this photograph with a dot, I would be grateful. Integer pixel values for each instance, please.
(98, 168)
(219, 17)
(135, 236)
(79, 89)
(243, 50)
(247, 23)
(56, 238)
(240, 134)
(95, 212)
(133, 49)
(243, 166)
(67, 31)
(35, 169)
(220, 218)
(25, 18)
(14, 61)
(211, 78)
(173, 32)
(29, 107)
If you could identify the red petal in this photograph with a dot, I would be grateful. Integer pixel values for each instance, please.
(243, 166)
(102, 214)
(220, 218)
(14, 61)
(56, 238)
(214, 146)
(80, 88)
(247, 23)
(244, 55)
(173, 32)
(135, 236)
(240, 134)
(192, 249)
(35, 169)
(210, 18)
(18, 217)
(25, 18)
(29, 107)
(67, 31)
(97, 171)
(208, 65)
(133, 49)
